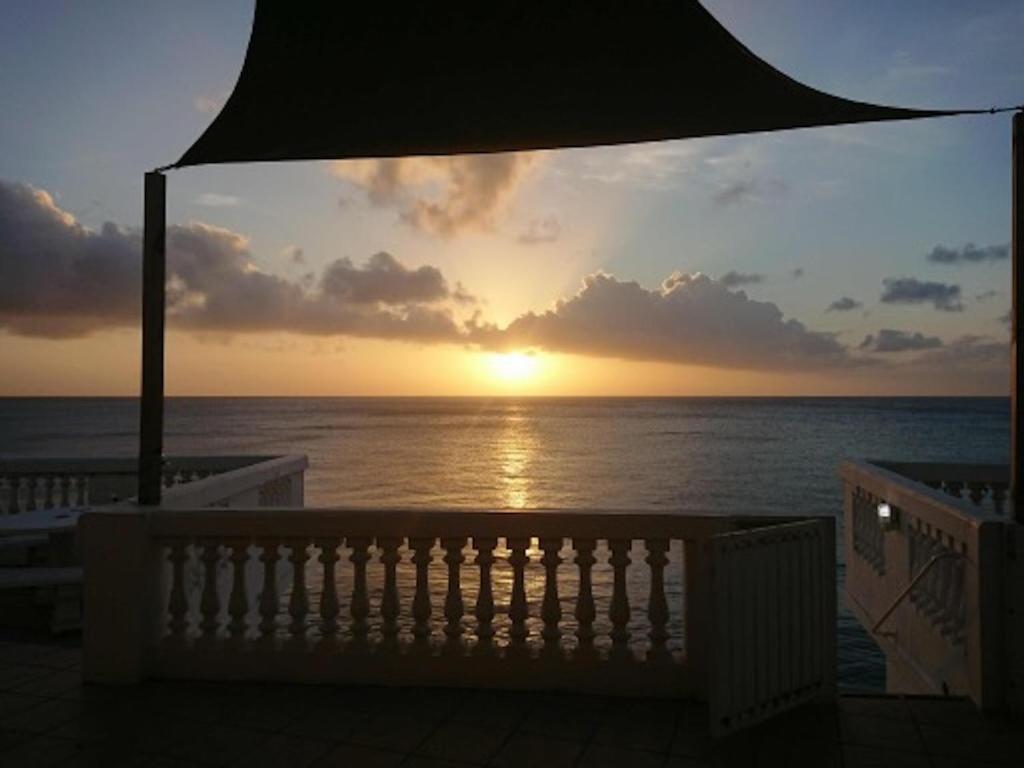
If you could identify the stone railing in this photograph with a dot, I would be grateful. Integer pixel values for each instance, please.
(30, 484)
(983, 485)
(605, 601)
(926, 574)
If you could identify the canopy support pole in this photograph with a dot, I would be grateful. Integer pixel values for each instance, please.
(1017, 324)
(154, 271)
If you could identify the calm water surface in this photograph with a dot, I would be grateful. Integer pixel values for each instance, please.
(746, 456)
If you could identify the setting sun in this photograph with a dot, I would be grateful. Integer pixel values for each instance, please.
(513, 366)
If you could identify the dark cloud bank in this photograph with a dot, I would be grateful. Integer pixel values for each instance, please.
(844, 304)
(689, 318)
(59, 279)
(889, 340)
(735, 279)
(910, 290)
(968, 254)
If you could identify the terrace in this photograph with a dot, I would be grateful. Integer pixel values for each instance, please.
(498, 637)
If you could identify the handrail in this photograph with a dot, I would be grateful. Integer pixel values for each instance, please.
(913, 583)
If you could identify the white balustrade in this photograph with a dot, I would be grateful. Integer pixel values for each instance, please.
(27, 485)
(576, 600)
(928, 581)
(608, 601)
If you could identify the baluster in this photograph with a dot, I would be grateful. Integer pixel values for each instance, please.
(551, 608)
(65, 491)
(209, 605)
(454, 608)
(947, 596)
(30, 493)
(329, 595)
(998, 497)
(421, 608)
(48, 482)
(931, 581)
(14, 490)
(518, 610)
(484, 609)
(269, 599)
(177, 604)
(298, 605)
(657, 604)
(976, 492)
(360, 607)
(238, 603)
(585, 612)
(619, 609)
(389, 603)
(959, 609)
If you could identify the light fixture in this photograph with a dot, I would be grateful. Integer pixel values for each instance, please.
(887, 517)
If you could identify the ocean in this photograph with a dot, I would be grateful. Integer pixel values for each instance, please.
(739, 455)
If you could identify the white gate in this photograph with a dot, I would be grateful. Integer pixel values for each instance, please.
(773, 621)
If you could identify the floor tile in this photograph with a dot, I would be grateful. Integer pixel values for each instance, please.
(531, 750)
(44, 716)
(39, 752)
(889, 707)
(283, 751)
(464, 742)
(879, 732)
(217, 745)
(855, 756)
(603, 756)
(398, 732)
(51, 683)
(494, 709)
(652, 731)
(351, 755)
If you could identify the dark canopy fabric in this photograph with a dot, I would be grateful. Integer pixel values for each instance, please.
(328, 80)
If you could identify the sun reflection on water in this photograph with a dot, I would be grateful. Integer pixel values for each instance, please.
(516, 447)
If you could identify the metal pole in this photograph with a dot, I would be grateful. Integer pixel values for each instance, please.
(154, 269)
(1017, 324)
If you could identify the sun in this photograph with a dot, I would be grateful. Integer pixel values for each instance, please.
(513, 366)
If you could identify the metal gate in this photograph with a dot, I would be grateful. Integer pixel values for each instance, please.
(773, 621)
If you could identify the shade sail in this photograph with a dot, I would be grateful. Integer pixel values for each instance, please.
(325, 80)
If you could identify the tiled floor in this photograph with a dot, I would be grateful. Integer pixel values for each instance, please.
(47, 717)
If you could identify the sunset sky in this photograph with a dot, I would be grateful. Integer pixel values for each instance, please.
(865, 259)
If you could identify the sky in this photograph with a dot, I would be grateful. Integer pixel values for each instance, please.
(866, 259)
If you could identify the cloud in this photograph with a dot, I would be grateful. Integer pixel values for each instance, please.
(385, 280)
(294, 254)
(60, 279)
(740, 190)
(969, 254)
(442, 196)
(909, 290)
(986, 295)
(844, 304)
(733, 279)
(969, 352)
(689, 319)
(796, 273)
(889, 340)
(217, 200)
(541, 230)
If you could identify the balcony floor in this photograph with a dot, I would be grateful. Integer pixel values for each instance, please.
(47, 717)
